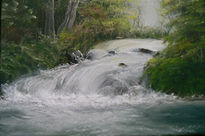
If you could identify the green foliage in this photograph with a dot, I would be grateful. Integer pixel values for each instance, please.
(187, 22)
(60, 8)
(20, 59)
(180, 69)
(97, 21)
(17, 20)
(149, 32)
(25, 19)
(22, 23)
(175, 75)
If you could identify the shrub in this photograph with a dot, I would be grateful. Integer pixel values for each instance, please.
(20, 59)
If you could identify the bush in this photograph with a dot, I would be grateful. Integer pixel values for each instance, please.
(97, 21)
(180, 69)
(174, 75)
(20, 59)
(149, 32)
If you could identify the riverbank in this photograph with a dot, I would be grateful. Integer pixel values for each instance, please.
(45, 53)
(173, 74)
(180, 68)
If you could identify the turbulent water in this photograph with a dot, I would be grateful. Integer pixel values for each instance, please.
(100, 96)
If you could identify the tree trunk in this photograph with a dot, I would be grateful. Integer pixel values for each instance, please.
(49, 22)
(69, 16)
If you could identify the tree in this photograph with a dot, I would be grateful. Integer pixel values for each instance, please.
(70, 16)
(96, 20)
(188, 27)
(17, 20)
(49, 19)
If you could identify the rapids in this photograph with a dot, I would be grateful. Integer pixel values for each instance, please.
(98, 96)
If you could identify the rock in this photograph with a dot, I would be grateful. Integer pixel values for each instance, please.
(70, 58)
(90, 56)
(112, 52)
(157, 53)
(122, 65)
(113, 87)
(145, 51)
(75, 57)
(78, 53)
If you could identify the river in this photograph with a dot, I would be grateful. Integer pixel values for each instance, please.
(101, 96)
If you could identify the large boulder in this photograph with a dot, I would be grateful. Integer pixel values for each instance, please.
(113, 87)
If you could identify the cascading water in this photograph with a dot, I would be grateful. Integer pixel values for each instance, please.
(99, 96)
(149, 13)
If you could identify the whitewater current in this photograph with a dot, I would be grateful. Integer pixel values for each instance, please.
(98, 96)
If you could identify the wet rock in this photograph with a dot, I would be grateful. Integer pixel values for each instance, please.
(1, 95)
(112, 52)
(157, 53)
(75, 57)
(138, 90)
(70, 58)
(122, 65)
(113, 87)
(78, 53)
(90, 56)
(96, 54)
(145, 51)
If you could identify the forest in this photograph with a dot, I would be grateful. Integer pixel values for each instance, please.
(40, 34)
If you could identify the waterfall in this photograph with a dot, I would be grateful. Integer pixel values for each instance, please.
(149, 13)
(112, 69)
(145, 13)
(100, 95)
